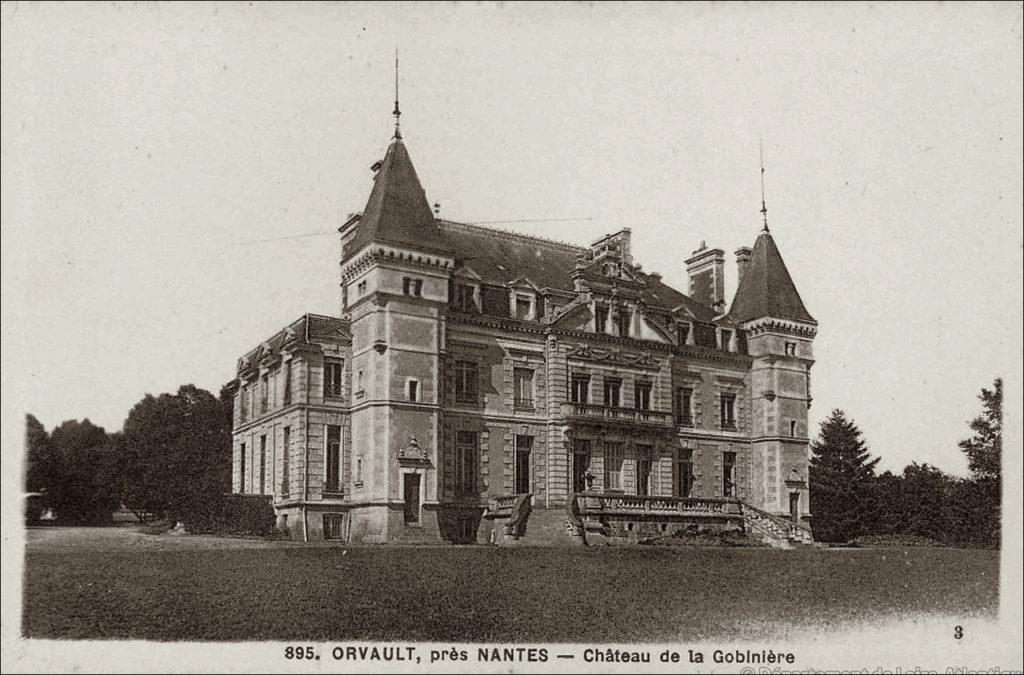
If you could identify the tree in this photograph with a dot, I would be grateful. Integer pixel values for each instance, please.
(176, 450)
(984, 449)
(38, 454)
(841, 476)
(78, 474)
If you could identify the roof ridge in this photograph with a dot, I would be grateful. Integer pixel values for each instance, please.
(510, 235)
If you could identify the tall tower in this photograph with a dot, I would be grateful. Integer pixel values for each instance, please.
(780, 333)
(395, 269)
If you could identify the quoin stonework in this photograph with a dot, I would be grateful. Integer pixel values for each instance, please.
(484, 386)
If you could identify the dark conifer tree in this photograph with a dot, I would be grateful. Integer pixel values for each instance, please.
(841, 475)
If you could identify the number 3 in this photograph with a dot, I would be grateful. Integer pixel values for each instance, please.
(958, 632)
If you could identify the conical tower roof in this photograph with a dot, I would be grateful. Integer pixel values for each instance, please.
(767, 290)
(397, 212)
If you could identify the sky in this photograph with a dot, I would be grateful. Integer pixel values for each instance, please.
(173, 176)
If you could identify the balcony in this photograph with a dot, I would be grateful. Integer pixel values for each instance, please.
(524, 404)
(615, 504)
(613, 415)
(333, 490)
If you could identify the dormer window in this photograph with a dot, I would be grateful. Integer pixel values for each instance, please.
(625, 320)
(685, 333)
(465, 298)
(725, 340)
(601, 318)
(523, 306)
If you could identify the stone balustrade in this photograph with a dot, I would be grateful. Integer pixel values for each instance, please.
(607, 413)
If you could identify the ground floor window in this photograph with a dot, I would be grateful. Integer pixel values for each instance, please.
(263, 464)
(523, 450)
(613, 458)
(644, 469)
(241, 469)
(684, 474)
(466, 445)
(334, 526)
(729, 474)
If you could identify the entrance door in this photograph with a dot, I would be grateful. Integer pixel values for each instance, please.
(580, 465)
(411, 491)
(794, 507)
(644, 467)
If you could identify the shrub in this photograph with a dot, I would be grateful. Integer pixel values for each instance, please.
(693, 535)
(239, 514)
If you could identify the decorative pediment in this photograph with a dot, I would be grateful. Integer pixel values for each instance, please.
(412, 453)
(467, 272)
(523, 283)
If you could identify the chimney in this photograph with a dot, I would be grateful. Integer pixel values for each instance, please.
(742, 260)
(706, 269)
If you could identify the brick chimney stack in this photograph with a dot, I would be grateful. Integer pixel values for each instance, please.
(706, 269)
(742, 259)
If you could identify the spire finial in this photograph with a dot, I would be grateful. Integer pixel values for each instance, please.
(764, 209)
(397, 113)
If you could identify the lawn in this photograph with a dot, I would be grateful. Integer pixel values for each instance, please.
(284, 592)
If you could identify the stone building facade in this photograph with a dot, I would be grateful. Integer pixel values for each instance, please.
(469, 365)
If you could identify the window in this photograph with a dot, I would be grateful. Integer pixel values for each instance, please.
(601, 318)
(684, 406)
(264, 392)
(465, 463)
(263, 464)
(332, 377)
(642, 395)
(361, 289)
(358, 479)
(243, 403)
(790, 349)
(413, 287)
(332, 461)
(465, 381)
(464, 298)
(644, 469)
(334, 526)
(580, 389)
(286, 395)
(524, 307)
(792, 428)
(522, 379)
(728, 474)
(684, 473)
(241, 469)
(612, 392)
(684, 333)
(726, 338)
(625, 319)
(728, 411)
(524, 447)
(613, 466)
(414, 390)
(286, 448)
(359, 381)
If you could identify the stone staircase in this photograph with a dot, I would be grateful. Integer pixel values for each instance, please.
(776, 531)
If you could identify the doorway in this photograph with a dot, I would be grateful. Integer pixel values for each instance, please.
(580, 465)
(411, 494)
(794, 507)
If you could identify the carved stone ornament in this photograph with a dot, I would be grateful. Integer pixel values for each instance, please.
(413, 452)
(588, 353)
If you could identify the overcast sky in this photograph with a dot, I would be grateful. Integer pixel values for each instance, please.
(160, 161)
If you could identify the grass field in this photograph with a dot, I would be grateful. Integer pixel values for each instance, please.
(110, 584)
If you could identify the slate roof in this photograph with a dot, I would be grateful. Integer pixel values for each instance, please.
(397, 211)
(767, 290)
(500, 257)
(306, 330)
